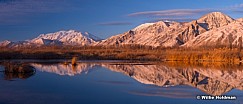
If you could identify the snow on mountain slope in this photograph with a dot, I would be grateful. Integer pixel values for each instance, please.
(142, 26)
(240, 20)
(5, 43)
(215, 20)
(158, 34)
(195, 28)
(169, 34)
(150, 35)
(225, 35)
(93, 37)
(70, 37)
(42, 41)
(188, 32)
(161, 33)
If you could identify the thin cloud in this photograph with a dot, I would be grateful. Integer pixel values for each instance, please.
(12, 10)
(30, 6)
(237, 6)
(171, 19)
(183, 15)
(170, 13)
(115, 23)
(238, 11)
(185, 12)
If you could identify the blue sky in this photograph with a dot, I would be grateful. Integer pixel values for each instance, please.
(26, 19)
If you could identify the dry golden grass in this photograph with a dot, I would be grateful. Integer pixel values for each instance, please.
(125, 52)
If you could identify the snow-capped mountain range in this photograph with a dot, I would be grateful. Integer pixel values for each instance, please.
(211, 29)
(70, 37)
(169, 34)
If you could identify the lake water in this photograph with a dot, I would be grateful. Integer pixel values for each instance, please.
(122, 83)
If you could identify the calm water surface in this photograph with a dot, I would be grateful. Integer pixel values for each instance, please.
(121, 83)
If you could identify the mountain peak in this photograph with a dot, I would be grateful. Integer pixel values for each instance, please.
(217, 13)
(215, 20)
(5, 43)
(240, 19)
(69, 37)
(145, 25)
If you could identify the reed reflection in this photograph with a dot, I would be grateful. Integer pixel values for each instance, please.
(13, 70)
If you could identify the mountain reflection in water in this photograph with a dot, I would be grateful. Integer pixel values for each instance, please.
(209, 79)
(64, 69)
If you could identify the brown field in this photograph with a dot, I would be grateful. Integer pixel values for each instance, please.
(125, 52)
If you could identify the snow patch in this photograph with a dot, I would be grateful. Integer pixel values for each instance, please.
(142, 26)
